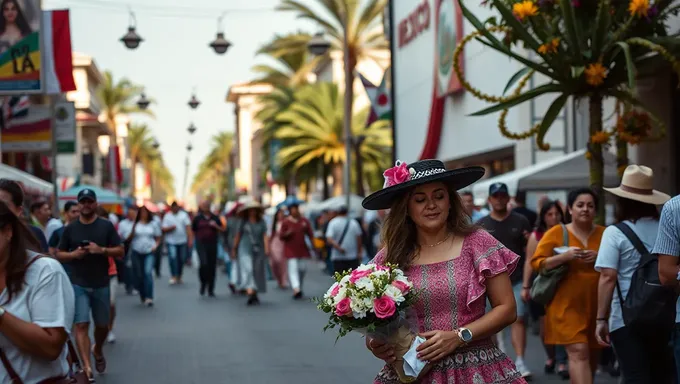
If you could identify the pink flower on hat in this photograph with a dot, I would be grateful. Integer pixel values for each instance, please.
(397, 174)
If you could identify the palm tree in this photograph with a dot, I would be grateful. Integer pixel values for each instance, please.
(312, 129)
(141, 147)
(214, 171)
(118, 98)
(162, 180)
(290, 67)
(361, 25)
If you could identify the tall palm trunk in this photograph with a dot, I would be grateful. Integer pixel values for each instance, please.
(359, 168)
(324, 174)
(596, 158)
(337, 179)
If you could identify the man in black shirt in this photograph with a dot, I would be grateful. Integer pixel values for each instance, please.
(521, 202)
(86, 245)
(512, 230)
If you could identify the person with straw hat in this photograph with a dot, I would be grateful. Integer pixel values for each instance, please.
(251, 247)
(644, 355)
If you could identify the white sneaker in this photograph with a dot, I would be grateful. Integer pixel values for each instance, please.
(111, 338)
(522, 368)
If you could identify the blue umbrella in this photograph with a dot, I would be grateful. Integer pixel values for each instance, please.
(290, 201)
(104, 196)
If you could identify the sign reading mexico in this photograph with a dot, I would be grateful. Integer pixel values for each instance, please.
(20, 48)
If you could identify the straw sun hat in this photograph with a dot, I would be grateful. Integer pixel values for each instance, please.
(636, 184)
(249, 205)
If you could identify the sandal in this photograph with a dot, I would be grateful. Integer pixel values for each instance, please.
(99, 362)
(90, 376)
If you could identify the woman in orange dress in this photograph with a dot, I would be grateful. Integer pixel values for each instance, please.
(571, 316)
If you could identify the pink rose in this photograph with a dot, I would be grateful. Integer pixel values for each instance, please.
(343, 308)
(396, 175)
(335, 290)
(356, 275)
(400, 285)
(382, 268)
(384, 307)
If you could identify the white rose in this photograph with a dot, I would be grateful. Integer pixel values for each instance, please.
(394, 293)
(342, 293)
(345, 280)
(328, 293)
(403, 279)
(366, 284)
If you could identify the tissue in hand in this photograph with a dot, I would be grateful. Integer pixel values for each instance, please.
(412, 365)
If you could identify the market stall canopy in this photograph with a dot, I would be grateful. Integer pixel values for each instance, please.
(562, 173)
(31, 184)
(104, 196)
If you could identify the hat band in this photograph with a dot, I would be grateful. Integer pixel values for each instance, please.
(639, 191)
(427, 172)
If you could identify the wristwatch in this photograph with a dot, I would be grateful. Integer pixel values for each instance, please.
(465, 335)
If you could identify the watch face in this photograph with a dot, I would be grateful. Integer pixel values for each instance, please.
(466, 334)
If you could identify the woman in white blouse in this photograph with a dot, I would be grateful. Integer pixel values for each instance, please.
(144, 238)
(36, 308)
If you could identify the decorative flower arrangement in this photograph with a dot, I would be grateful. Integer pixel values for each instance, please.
(585, 49)
(634, 126)
(372, 299)
(398, 174)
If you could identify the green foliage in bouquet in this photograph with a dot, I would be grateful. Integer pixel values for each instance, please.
(358, 294)
(585, 48)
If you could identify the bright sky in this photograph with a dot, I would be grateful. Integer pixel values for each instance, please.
(175, 58)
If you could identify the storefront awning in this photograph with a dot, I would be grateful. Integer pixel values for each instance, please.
(562, 173)
(31, 184)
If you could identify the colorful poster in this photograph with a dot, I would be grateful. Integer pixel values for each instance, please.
(30, 133)
(20, 47)
(449, 32)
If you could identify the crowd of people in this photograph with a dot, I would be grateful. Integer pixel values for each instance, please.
(603, 298)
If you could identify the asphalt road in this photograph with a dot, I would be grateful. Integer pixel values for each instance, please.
(188, 339)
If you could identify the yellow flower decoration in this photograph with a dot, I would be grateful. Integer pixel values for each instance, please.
(524, 9)
(638, 8)
(595, 74)
(550, 47)
(600, 137)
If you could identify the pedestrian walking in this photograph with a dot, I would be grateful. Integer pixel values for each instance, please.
(157, 219)
(233, 226)
(87, 244)
(41, 217)
(176, 227)
(144, 238)
(643, 352)
(550, 215)
(667, 247)
(206, 227)
(125, 265)
(512, 230)
(113, 286)
(345, 237)
(293, 231)
(570, 316)
(71, 214)
(455, 266)
(251, 247)
(12, 194)
(277, 257)
(36, 308)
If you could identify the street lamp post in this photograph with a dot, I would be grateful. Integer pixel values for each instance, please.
(318, 46)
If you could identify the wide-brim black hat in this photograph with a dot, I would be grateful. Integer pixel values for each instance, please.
(405, 176)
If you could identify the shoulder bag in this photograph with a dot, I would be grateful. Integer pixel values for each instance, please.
(78, 376)
(545, 284)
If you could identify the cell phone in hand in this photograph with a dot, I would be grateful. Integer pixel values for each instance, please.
(84, 243)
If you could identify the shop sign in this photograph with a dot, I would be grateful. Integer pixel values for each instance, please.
(414, 25)
(65, 127)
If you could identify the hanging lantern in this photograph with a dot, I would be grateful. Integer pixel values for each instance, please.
(156, 144)
(189, 147)
(318, 45)
(143, 102)
(131, 39)
(193, 102)
(220, 45)
(191, 129)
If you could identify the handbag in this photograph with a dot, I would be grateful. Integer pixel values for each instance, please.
(78, 377)
(545, 284)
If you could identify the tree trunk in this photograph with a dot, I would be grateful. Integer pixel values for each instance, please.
(359, 168)
(326, 189)
(308, 187)
(337, 179)
(596, 158)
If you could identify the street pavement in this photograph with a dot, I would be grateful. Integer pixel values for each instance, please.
(188, 339)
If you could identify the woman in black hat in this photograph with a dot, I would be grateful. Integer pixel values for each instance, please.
(455, 266)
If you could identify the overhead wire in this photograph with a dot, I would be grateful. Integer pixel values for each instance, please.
(187, 12)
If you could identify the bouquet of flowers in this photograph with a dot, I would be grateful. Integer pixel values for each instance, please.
(372, 300)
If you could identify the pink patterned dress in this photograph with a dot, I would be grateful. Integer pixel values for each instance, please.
(454, 295)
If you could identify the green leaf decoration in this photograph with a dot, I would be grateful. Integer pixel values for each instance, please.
(600, 31)
(515, 78)
(630, 65)
(570, 25)
(576, 72)
(528, 95)
(517, 27)
(550, 116)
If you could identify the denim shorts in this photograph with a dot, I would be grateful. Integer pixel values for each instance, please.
(95, 300)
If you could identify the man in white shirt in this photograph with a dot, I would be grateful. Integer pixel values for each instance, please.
(344, 236)
(176, 226)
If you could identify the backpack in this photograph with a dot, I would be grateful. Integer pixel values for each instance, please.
(648, 305)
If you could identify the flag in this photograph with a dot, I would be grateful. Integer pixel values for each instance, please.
(381, 102)
(13, 107)
(58, 64)
(114, 166)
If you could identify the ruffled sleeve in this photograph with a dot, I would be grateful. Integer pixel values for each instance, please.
(489, 258)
